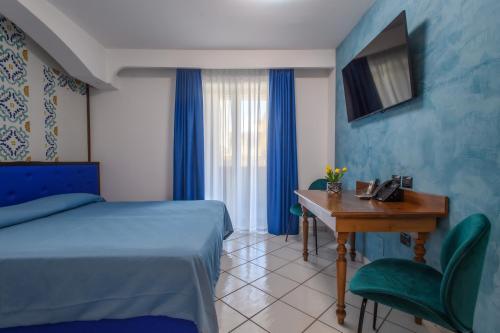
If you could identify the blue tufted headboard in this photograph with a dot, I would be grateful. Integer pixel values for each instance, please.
(25, 181)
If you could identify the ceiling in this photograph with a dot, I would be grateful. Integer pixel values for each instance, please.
(216, 24)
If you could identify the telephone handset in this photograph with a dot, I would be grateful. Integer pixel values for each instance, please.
(388, 191)
(368, 194)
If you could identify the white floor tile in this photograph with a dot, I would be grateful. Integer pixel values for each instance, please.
(408, 321)
(281, 239)
(227, 318)
(296, 272)
(232, 245)
(308, 300)
(314, 262)
(237, 234)
(388, 327)
(331, 270)
(265, 236)
(248, 272)
(229, 261)
(249, 327)
(327, 253)
(299, 246)
(275, 285)
(270, 262)
(267, 246)
(352, 268)
(227, 284)
(282, 318)
(287, 254)
(350, 322)
(356, 300)
(248, 300)
(323, 283)
(319, 327)
(251, 239)
(248, 253)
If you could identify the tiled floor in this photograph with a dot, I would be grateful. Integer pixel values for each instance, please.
(265, 286)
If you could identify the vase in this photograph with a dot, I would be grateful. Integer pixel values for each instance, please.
(334, 187)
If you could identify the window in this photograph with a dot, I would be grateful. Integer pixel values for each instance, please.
(235, 124)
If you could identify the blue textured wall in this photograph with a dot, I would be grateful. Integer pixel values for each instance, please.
(448, 138)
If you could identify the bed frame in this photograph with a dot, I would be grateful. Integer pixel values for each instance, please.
(25, 181)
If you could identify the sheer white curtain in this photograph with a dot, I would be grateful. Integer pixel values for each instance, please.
(391, 76)
(235, 125)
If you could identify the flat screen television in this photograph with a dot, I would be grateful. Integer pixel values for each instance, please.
(379, 77)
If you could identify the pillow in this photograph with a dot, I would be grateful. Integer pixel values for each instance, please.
(16, 214)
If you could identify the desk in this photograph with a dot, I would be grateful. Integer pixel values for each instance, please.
(346, 214)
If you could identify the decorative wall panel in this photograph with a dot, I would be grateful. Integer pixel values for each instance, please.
(14, 115)
(30, 126)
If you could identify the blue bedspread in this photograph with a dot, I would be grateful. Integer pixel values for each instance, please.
(113, 260)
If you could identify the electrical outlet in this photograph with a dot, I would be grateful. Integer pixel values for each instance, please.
(407, 182)
(405, 239)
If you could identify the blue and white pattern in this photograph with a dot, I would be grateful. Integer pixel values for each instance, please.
(11, 34)
(12, 67)
(13, 105)
(14, 116)
(15, 98)
(50, 114)
(64, 80)
(51, 146)
(14, 143)
(49, 81)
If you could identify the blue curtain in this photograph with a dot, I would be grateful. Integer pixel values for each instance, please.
(189, 181)
(281, 152)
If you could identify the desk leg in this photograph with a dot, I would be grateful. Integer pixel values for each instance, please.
(419, 257)
(341, 275)
(305, 233)
(352, 241)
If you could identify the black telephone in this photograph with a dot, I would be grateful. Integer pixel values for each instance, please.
(388, 191)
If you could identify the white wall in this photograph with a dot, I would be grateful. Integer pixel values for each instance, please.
(132, 131)
(312, 112)
(132, 135)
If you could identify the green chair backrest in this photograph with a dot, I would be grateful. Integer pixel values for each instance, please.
(462, 258)
(318, 184)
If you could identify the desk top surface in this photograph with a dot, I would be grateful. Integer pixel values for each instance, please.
(347, 205)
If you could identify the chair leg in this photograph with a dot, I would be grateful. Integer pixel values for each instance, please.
(362, 315)
(288, 227)
(315, 226)
(375, 308)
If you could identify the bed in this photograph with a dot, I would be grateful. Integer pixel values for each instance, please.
(71, 262)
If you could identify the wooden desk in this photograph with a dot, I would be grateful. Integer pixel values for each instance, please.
(345, 214)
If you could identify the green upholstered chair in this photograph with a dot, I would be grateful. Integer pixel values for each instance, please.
(447, 299)
(296, 210)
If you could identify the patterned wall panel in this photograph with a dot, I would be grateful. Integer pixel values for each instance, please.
(66, 81)
(53, 79)
(14, 116)
(18, 110)
(50, 114)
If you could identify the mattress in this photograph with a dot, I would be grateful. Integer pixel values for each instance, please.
(74, 257)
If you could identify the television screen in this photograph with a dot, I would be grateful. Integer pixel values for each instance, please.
(379, 77)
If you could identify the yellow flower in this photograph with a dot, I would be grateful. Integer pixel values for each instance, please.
(328, 168)
(344, 169)
(337, 170)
